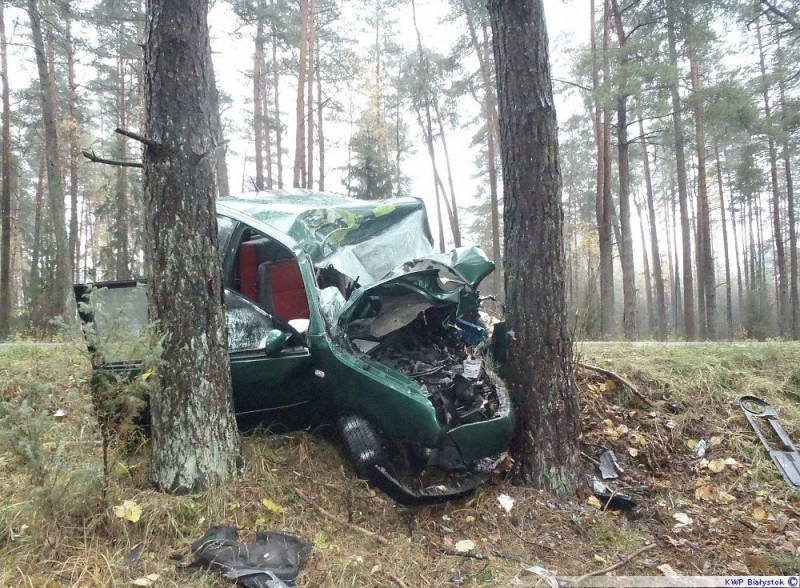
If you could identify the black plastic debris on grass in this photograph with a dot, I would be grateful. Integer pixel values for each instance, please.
(273, 561)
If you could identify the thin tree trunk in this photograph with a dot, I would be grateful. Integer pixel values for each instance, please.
(728, 285)
(276, 78)
(258, 102)
(5, 188)
(221, 164)
(603, 192)
(784, 309)
(299, 172)
(655, 256)
(35, 304)
(623, 163)
(648, 286)
(705, 261)
(740, 291)
(680, 165)
(320, 133)
(72, 140)
(310, 95)
(122, 264)
(794, 297)
(454, 207)
(60, 290)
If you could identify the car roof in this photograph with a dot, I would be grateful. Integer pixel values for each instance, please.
(321, 221)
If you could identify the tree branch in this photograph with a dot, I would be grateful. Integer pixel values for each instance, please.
(379, 538)
(136, 137)
(91, 156)
(778, 12)
(624, 561)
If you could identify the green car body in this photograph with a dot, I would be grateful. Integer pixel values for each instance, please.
(339, 284)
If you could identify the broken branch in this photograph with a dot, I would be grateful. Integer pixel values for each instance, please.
(91, 156)
(618, 378)
(340, 520)
(137, 137)
(623, 562)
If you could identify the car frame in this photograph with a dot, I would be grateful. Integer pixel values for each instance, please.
(296, 346)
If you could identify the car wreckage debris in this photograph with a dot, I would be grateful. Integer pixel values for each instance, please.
(763, 418)
(273, 561)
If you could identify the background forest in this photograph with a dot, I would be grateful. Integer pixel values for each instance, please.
(678, 134)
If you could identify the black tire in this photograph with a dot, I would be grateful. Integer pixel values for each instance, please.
(362, 444)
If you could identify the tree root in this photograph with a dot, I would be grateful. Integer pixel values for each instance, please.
(342, 521)
(615, 376)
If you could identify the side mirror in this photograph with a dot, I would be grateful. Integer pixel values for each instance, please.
(276, 341)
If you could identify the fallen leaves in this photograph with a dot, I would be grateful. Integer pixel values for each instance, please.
(128, 510)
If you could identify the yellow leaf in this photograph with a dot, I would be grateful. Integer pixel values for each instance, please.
(703, 493)
(759, 514)
(725, 498)
(271, 506)
(128, 510)
(594, 501)
(145, 375)
(716, 465)
(633, 452)
(599, 558)
(691, 443)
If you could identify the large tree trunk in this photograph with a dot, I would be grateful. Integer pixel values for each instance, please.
(539, 369)
(683, 195)
(195, 443)
(61, 288)
(5, 188)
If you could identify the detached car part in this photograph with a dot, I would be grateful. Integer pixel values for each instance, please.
(763, 418)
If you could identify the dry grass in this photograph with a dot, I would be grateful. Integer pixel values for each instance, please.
(61, 532)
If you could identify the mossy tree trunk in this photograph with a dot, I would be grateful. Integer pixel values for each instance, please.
(539, 374)
(195, 441)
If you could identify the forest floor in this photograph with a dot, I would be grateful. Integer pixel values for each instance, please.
(726, 513)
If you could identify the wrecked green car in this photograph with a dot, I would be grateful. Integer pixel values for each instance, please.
(340, 309)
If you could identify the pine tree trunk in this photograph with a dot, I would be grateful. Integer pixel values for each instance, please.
(299, 172)
(35, 299)
(794, 297)
(310, 96)
(648, 285)
(655, 255)
(623, 163)
(683, 197)
(258, 102)
(453, 205)
(61, 288)
(784, 310)
(320, 132)
(276, 78)
(705, 261)
(72, 140)
(195, 443)
(539, 369)
(220, 163)
(5, 187)
(122, 269)
(728, 285)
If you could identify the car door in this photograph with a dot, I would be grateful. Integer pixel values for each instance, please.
(266, 378)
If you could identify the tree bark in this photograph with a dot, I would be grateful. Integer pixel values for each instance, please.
(539, 369)
(310, 95)
(705, 261)
(299, 172)
(61, 288)
(5, 187)
(72, 140)
(195, 443)
(623, 163)
(122, 269)
(683, 196)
